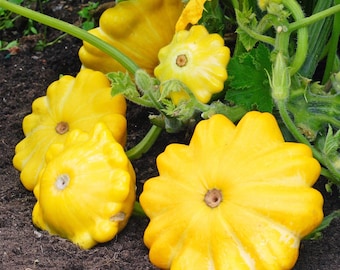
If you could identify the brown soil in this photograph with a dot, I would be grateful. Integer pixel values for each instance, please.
(24, 77)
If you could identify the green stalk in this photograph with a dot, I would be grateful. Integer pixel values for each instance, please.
(332, 174)
(302, 36)
(140, 101)
(281, 105)
(138, 210)
(154, 101)
(257, 36)
(145, 144)
(314, 18)
(73, 31)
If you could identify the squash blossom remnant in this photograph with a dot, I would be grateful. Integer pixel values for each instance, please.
(213, 197)
(62, 127)
(181, 60)
(62, 181)
(191, 14)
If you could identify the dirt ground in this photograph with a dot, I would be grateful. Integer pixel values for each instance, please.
(24, 77)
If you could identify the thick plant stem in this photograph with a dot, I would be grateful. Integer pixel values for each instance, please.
(302, 36)
(314, 18)
(73, 31)
(145, 144)
(303, 22)
(281, 105)
(253, 34)
(138, 210)
(302, 32)
(301, 50)
(257, 36)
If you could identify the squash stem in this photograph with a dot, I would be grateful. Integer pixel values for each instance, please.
(292, 128)
(145, 144)
(138, 210)
(253, 34)
(313, 18)
(73, 31)
(302, 36)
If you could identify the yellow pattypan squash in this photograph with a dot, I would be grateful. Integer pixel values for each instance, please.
(138, 28)
(197, 59)
(237, 197)
(70, 103)
(86, 191)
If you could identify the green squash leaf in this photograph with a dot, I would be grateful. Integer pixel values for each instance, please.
(248, 80)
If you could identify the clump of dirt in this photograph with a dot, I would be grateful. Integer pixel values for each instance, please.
(25, 76)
